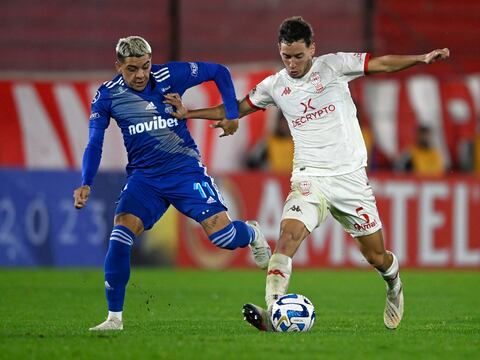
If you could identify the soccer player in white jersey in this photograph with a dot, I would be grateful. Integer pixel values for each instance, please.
(330, 156)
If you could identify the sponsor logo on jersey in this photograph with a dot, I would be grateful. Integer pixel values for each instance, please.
(94, 115)
(315, 115)
(166, 88)
(157, 123)
(151, 106)
(307, 106)
(368, 224)
(286, 91)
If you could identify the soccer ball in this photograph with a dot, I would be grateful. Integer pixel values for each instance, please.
(293, 312)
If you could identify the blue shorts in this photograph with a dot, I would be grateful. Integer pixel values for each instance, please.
(191, 192)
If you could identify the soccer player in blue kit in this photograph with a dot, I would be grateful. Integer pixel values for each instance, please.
(164, 166)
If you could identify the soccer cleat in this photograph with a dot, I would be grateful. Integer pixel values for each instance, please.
(259, 246)
(393, 308)
(258, 317)
(109, 324)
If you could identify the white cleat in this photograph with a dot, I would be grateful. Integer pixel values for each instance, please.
(260, 249)
(109, 324)
(258, 317)
(393, 308)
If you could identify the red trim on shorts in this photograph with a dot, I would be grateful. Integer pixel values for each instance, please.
(252, 105)
(365, 64)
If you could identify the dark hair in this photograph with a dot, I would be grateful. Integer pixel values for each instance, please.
(295, 29)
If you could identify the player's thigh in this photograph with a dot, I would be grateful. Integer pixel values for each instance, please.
(143, 200)
(305, 203)
(197, 196)
(353, 205)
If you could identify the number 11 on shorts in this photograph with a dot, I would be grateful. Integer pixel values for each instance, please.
(199, 187)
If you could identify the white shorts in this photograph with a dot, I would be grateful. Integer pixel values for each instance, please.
(349, 198)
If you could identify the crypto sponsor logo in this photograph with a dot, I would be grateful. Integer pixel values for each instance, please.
(315, 115)
(157, 123)
(307, 106)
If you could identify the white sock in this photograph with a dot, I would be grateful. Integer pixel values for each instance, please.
(115, 314)
(278, 277)
(392, 274)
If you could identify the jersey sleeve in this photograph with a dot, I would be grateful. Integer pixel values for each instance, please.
(350, 65)
(189, 74)
(99, 121)
(100, 111)
(260, 96)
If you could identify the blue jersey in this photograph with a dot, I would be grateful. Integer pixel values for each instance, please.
(156, 142)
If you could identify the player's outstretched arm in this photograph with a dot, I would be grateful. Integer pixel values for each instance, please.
(211, 113)
(392, 63)
(229, 126)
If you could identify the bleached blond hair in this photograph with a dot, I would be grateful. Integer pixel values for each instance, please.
(132, 46)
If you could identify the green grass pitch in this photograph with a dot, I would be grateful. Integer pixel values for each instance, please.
(172, 314)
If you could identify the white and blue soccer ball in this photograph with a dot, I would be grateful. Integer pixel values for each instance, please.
(293, 313)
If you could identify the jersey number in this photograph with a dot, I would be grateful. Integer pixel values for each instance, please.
(199, 187)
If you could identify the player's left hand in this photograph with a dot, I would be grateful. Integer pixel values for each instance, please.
(175, 99)
(229, 126)
(438, 54)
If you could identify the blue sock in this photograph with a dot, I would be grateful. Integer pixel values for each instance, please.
(236, 234)
(117, 266)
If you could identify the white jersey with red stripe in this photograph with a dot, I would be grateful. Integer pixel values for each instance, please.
(320, 113)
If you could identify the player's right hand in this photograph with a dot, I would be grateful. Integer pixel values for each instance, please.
(229, 126)
(80, 196)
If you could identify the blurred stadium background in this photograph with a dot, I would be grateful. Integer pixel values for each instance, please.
(57, 52)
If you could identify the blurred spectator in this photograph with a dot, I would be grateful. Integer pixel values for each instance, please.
(275, 153)
(422, 158)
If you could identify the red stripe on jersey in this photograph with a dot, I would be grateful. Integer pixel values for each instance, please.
(45, 92)
(11, 142)
(252, 105)
(365, 64)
